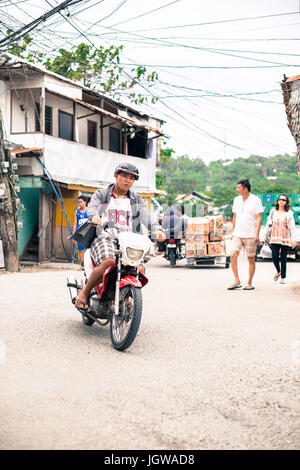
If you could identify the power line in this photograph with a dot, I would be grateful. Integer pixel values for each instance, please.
(218, 22)
(29, 27)
(146, 13)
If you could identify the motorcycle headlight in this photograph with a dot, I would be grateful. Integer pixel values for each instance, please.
(134, 254)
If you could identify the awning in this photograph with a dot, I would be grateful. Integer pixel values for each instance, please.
(28, 150)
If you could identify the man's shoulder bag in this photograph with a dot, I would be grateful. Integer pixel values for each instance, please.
(85, 234)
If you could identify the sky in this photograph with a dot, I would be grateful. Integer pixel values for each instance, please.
(219, 63)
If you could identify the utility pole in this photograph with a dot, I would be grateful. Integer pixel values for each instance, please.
(8, 222)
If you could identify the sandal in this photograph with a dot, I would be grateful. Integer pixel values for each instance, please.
(277, 276)
(234, 286)
(248, 288)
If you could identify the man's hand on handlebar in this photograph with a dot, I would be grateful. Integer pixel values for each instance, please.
(96, 220)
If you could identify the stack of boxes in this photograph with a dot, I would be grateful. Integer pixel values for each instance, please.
(216, 226)
(204, 236)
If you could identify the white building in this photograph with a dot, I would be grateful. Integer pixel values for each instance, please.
(75, 137)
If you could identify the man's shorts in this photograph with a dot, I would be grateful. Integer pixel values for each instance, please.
(248, 244)
(101, 249)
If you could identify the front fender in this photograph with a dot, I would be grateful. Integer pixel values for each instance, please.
(130, 280)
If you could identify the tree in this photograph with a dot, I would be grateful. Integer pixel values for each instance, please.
(165, 157)
(98, 68)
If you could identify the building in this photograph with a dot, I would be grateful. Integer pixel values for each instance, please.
(68, 140)
(195, 199)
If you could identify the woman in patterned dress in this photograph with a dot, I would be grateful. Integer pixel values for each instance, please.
(281, 234)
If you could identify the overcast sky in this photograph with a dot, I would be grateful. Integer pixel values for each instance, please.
(204, 53)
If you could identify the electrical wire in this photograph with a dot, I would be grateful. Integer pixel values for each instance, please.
(29, 27)
(220, 21)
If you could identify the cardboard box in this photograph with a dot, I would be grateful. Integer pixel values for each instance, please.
(199, 225)
(190, 237)
(217, 235)
(216, 222)
(201, 249)
(190, 249)
(201, 238)
(215, 248)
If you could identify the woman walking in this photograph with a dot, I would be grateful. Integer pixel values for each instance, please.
(281, 234)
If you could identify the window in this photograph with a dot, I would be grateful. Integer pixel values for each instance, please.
(48, 119)
(37, 114)
(137, 144)
(65, 125)
(114, 139)
(92, 133)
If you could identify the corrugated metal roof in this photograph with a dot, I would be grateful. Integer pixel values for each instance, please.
(292, 79)
(130, 122)
(27, 150)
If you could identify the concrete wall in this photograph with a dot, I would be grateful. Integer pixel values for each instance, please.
(80, 164)
(24, 121)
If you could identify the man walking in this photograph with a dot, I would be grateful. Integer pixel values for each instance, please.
(246, 224)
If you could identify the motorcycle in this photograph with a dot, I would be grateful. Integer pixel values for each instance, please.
(173, 247)
(174, 250)
(118, 299)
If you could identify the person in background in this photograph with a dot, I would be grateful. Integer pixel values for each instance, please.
(281, 234)
(246, 223)
(79, 219)
(174, 224)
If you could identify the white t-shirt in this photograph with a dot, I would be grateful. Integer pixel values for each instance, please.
(118, 211)
(245, 222)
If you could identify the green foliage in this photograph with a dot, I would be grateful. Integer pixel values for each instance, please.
(219, 179)
(98, 68)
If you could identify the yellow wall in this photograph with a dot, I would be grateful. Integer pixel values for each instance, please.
(70, 202)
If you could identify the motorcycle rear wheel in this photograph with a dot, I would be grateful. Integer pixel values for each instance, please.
(124, 327)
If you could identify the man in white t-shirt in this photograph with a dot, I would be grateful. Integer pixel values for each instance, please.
(126, 209)
(246, 224)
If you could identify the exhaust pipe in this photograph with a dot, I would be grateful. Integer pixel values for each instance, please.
(73, 287)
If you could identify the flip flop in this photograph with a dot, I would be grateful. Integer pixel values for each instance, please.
(276, 277)
(248, 288)
(234, 286)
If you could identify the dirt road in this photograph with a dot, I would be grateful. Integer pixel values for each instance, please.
(210, 368)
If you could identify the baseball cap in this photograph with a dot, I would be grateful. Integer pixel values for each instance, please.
(127, 168)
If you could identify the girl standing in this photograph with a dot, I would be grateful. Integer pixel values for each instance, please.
(281, 233)
(80, 217)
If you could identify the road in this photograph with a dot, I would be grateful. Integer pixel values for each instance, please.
(210, 368)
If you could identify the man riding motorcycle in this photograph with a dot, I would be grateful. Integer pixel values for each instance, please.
(127, 210)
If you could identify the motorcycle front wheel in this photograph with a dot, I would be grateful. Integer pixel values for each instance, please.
(125, 325)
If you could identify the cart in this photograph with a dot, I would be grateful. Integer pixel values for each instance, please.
(210, 260)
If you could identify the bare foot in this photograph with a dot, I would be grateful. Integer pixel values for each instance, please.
(81, 301)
